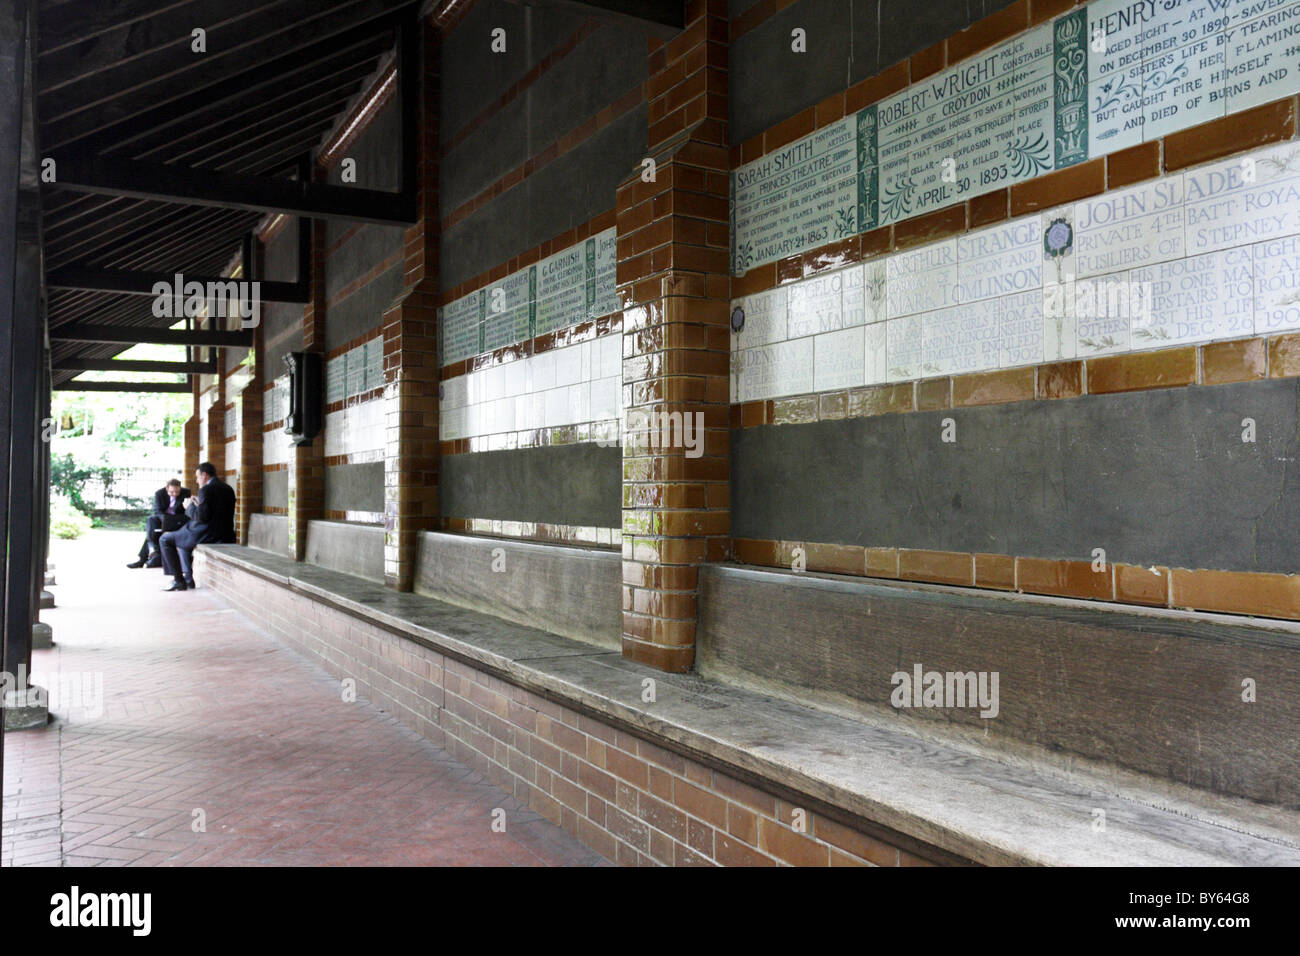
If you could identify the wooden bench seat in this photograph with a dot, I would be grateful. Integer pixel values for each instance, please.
(964, 802)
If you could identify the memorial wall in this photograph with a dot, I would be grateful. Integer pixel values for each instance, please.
(527, 382)
(1099, 79)
(238, 377)
(573, 285)
(533, 387)
(363, 273)
(1190, 257)
(531, 350)
(1210, 253)
(575, 385)
(281, 334)
(1188, 276)
(354, 432)
(532, 151)
(275, 407)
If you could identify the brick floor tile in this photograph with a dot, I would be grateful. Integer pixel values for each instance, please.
(209, 711)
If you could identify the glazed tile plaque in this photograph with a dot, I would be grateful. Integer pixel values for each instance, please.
(796, 198)
(1104, 77)
(571, 286)
(975, 127)
(509, 310)
(462, 324)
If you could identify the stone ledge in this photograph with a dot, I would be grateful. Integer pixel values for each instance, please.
(1152, 691)
(969, 805)
(566, 590)
(269, 532)
(347, 547)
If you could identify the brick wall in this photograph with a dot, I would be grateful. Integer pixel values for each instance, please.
(634, 802)
(216, 437)
(1202, 584)
(191, 449)
(306, 499)
(410, 332)
(674, 284)
(248, 499)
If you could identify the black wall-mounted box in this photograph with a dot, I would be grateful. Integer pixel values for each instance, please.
(306, 375)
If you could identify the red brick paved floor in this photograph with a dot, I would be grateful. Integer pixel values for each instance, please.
(202, 710)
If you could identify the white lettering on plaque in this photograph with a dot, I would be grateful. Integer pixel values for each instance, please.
(801, 196)
(1132, 227)
(922, 280)
(1195, 300)
(1277, 285)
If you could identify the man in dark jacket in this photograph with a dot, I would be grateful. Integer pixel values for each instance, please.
(167, 500)
(212, 521)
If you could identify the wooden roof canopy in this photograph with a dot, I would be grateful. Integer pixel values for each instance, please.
(165, 158)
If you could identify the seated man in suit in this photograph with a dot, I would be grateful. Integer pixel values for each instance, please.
(212, 522)
(167, 500)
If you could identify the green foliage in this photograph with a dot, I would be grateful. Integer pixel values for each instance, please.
(116, 520)
(68, 478)
(122, 419)
(129, 431)
(66, 521)
(98, 437)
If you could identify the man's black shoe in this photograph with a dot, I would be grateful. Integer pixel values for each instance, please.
(176, 586)
(154, 561)
(190, 584)
(136, 564)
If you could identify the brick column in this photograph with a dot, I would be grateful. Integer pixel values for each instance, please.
(410, 329)
(306, 479)
(192, 436)
(217, 416)
(674, 284)
(249, 500)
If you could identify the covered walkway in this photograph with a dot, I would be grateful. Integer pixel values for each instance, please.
(747, 433)
(203, 711)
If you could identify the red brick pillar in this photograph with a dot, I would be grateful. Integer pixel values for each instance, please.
(673, 250)
(192, 435)
(306, 479)
(216, 445)
(249, 500)
(191, 449)
(411, 360)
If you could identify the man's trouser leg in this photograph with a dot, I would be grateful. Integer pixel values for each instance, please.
(187, 562)
(152, 531)
(171, 564)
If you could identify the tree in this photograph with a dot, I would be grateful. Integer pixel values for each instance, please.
(69, 478)
(101, 433)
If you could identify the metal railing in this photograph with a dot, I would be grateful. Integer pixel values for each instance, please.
(130, 488)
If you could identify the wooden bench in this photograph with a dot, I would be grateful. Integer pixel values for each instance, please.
(1158, 692)
(936, 795)
(569, 591)
(268, 533)
(350, 548)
